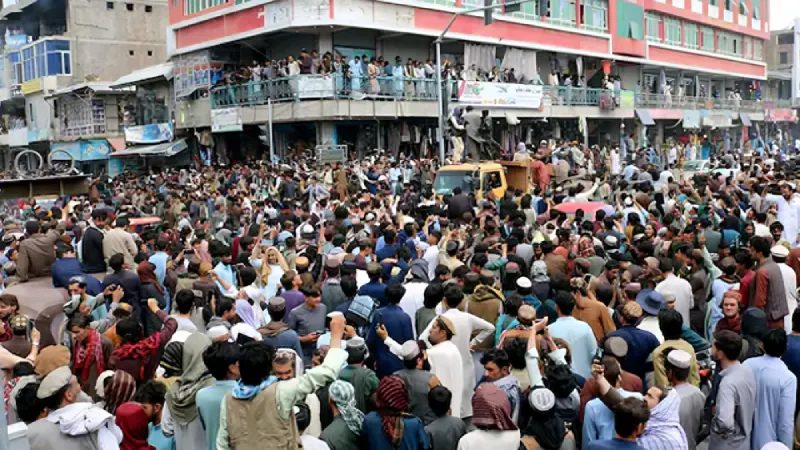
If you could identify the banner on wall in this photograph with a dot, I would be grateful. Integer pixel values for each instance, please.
(94, 150)
(149, 134)
(627, 100)
(500, 94)
(315, 86)
(225, 120)
(780, 115)
(18, 137)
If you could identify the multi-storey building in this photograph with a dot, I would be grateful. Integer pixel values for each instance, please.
(699, 61)
(51, 45)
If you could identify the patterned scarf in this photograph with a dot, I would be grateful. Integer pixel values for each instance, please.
(342, 393)
(142, 350)
(392, 405)
(87, 352)
(246, 392)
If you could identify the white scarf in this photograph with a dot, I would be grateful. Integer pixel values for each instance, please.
(78, 419)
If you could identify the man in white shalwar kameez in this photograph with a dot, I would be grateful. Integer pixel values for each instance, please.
(465, 324)
(788, 211)
(444, 358)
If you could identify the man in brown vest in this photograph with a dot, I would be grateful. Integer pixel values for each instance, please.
(259, 409)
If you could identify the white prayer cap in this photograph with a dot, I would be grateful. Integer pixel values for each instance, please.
(679, 358)
(524, 282)
(542, 399)
(410, 350)
(780, 251)
(214, 333)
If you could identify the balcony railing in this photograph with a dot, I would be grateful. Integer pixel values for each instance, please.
(661, 101)
(321, 87)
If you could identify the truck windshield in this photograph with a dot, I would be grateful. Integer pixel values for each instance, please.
(446, 181)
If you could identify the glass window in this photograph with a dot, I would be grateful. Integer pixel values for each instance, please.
(672, 30)
(691, 35)
(757, 50)
(28, 64)
(713, 2)
(747, 47)
(728, 5)
(653, 23)
(57, 45)
(742, 8)
(54, 64)
(528, 10)
(755, 6)
(594, 14)
(708, 39)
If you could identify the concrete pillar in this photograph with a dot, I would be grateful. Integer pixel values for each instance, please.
(326, 133)
(659, 134)
(325, 42)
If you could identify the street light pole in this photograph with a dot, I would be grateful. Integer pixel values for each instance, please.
(439, 86)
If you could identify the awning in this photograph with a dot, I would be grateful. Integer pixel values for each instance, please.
(745, 119)
(15, 8)
(152, 73)
(644, 117)
(95, 87)
(165, 149)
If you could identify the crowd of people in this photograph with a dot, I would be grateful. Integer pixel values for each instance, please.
(375, 76)
(355, 307)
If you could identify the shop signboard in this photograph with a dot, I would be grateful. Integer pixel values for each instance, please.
(225, 120)
(781, 115)
(500, 94)
(149, 134)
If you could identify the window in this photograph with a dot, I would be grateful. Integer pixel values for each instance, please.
(713, 2)
(630, 18)
(784, 58)
(747, 46)
(109, 5)
(77, 117)
(736, 45)
(148, 8)
(28, 65)
(149, 53)
(529, 10)
(728, 5)
(757, 47)
(742, 8)
(690, 30)
(130, 52)
(708, 39)
(129, 6)
(45, 58)
(672, 31)
(594, 14)
(561, 12)
(653, 22)
(786, 39)
(194, 6)
(755, 5)
(16, 68)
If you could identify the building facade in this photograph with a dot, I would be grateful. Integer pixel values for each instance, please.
(49, 46)
(702, 62)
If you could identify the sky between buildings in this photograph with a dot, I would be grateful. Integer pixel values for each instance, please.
(782, 13)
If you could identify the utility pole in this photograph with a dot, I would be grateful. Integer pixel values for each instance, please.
(510, 7)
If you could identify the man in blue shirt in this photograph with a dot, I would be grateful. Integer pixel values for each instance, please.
(67, 266)
(224, 270)
(374, 288)
(397, 324)
(630, 418)
(152, 396)
(598, 421)
(389, 250)
(222, 360)
(159, 260)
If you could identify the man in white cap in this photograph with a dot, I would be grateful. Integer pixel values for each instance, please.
(444, 358)
(677, 364)
(71, 425)
(779, 255)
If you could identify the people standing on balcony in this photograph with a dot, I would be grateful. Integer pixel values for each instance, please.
(305, 62)
(408, 73)
(293, 67)
(355, 74)
(315, 62)
(419, 74)
(397, 75)
(374, 86)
